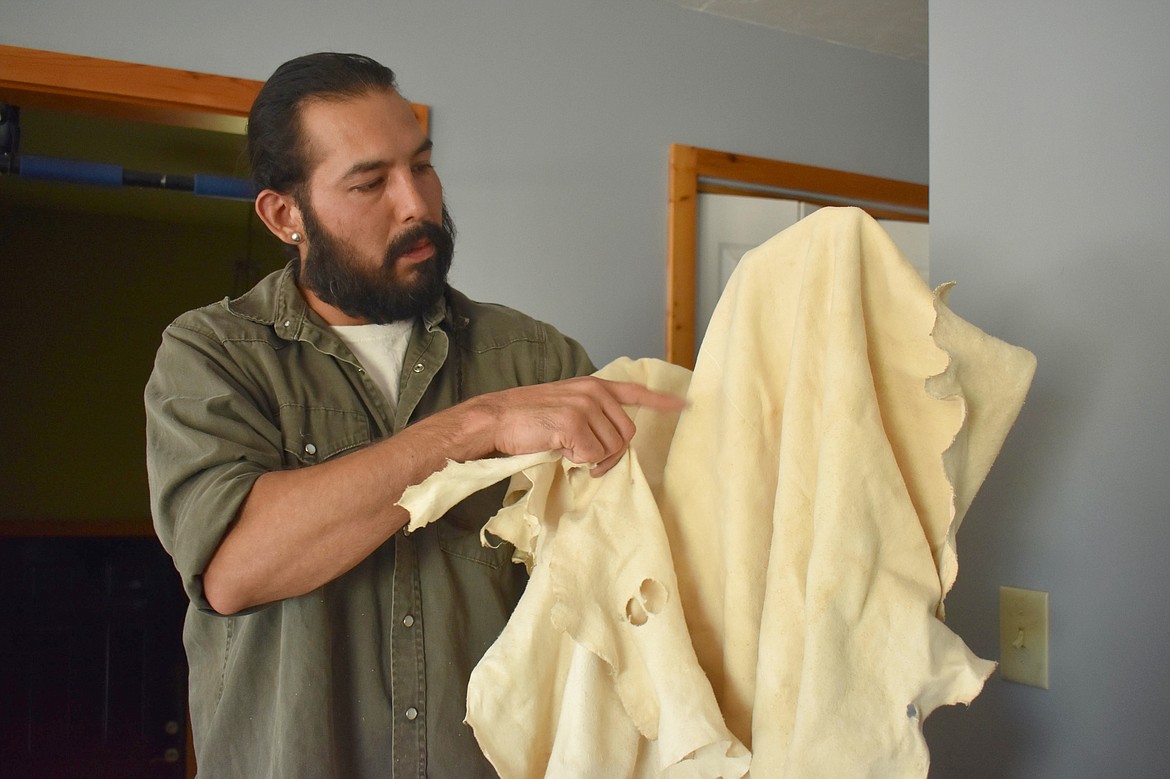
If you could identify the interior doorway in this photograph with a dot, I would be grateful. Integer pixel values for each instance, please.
(697, 174)
(731, 225)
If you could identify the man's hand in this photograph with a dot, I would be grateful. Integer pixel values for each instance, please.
(581, 418)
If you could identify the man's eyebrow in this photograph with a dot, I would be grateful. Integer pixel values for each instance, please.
(365, 166)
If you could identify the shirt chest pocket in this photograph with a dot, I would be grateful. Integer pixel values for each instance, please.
(313, 434)
(459, 529)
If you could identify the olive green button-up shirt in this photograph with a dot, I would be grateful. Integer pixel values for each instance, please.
(367, 675)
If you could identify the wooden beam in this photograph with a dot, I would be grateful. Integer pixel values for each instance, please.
(812, 179)
(127, 90)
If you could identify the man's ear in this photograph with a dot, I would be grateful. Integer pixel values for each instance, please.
(281, 216)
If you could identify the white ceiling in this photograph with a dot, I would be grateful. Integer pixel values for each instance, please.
(893, 27)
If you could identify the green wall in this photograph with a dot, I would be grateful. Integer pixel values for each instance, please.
(87, 296)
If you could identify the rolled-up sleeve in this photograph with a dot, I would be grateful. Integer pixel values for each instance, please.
(208, 438)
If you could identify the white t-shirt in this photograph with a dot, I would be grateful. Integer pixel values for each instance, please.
(380, 349)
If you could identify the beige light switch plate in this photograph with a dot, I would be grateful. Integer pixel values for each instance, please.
(1023, 636)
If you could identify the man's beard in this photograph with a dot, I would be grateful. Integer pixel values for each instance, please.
(333, 270)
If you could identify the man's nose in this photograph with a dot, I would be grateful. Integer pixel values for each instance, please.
(408, 200)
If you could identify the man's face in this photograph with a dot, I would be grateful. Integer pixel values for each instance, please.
(379, 240)
(337, 273)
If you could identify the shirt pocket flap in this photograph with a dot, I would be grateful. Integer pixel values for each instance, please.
(313, 434)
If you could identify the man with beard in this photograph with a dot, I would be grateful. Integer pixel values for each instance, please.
(283, 426)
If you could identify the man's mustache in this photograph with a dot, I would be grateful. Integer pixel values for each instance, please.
(410, 237)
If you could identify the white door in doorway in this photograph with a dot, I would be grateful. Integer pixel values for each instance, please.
(730, 225)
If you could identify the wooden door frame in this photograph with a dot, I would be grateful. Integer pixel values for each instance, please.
(695, 170)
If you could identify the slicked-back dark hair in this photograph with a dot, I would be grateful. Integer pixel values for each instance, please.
(276, 147)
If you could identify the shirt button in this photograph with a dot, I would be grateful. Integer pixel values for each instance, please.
(408, 620)
(287, 322)
(412, 714)
(418, 367)
(310, 449)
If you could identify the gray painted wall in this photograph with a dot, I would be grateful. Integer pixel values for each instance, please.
(1050, 186)
(551, 119)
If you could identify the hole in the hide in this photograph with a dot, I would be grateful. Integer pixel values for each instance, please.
(653, 595)
(635, 613)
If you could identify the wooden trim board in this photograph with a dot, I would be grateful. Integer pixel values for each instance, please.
(127, 90)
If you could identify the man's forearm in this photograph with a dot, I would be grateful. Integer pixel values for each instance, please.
(299, 529)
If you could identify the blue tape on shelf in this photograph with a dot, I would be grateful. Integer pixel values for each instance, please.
(223, 186)
(73, 171)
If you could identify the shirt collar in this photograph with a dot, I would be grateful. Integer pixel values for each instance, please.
(278, 302)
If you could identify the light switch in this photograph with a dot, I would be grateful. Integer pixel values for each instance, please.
(1023, 636)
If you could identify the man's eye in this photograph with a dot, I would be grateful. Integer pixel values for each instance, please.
(423, 167)
(369, 186)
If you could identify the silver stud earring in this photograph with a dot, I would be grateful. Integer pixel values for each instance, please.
(296, 237)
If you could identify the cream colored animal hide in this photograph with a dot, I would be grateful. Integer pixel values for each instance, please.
(765, 571)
